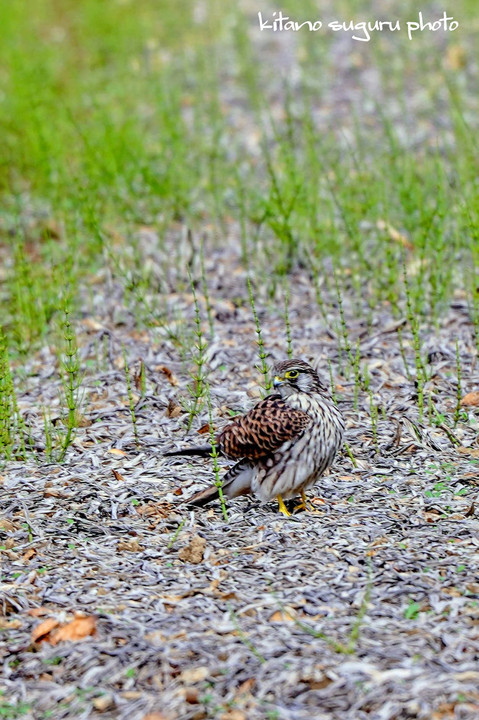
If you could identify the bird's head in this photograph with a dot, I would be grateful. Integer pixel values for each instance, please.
(293, 376)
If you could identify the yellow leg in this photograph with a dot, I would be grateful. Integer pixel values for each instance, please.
(282, 507)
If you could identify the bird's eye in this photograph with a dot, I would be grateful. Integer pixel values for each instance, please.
(291, 374)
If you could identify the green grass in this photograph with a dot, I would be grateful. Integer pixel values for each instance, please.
(118, 116)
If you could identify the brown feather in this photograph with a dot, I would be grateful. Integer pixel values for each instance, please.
(262, 430)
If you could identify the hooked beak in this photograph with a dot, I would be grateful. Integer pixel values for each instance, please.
(278, 381)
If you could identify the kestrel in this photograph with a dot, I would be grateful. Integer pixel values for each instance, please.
(283, 444)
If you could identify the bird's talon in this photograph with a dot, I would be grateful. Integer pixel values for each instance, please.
(300, 507)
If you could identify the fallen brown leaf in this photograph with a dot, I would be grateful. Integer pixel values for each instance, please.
(246, 686)
(194, 675)
(452, 591)
(91, 324)
(129, 545)
(473, 452)
(195, 551)
(286, 615)
(41, 631)
(154, 511)
(172, 379)
(139, 376)
(118, 475)
(77, 629)
(84, 421)
(192, 695)
(470, 400)
(156, 637)
(38, 612)
(53, 493)
(10, 624)
(173, 410)
(7, 525)
(320, 684)
(27, 556)
(233, 715)
(119, 362)
(103, 703)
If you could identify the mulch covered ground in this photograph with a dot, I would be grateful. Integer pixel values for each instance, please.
(366, 608)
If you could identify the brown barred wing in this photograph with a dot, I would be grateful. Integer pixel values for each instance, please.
(262, 430)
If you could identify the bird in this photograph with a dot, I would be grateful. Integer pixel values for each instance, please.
(282, 445)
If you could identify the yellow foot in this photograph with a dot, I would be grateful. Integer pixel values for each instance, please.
(305, 504)
(282, 507)
(301, 506)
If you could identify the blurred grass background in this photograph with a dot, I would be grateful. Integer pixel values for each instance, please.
(119, 115)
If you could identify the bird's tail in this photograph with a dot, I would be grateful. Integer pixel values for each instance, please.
(237, 481)
(197, 450)
(203, 497)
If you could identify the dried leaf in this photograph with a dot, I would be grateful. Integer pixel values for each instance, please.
(40, 632)
(38, 612)
(119, 362)
(193, 552)
(473, 452)
(470, 511)
(288, 614)
(91, 324)
(173, 410)
(7, 525)
(27, 556)
(103, 703)
(192, 695)
(172, 379)
(10, 624)
(245, 686)
(116, 451)
(118, 475)
(77, 629)
(233, 715)
(470, 399)
(156, 637)
(129, 545)
(194, 675)
(84, 421)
